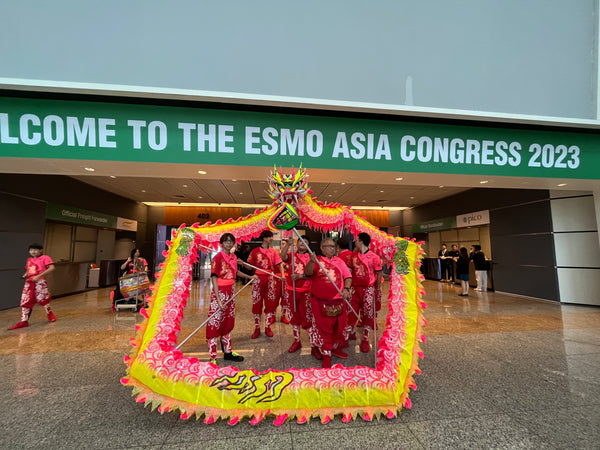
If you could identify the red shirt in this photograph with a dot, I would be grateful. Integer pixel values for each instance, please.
(300, 261)
(364, 266)
(346, 256)
(266, 259)
(224, 267)
(35, 266)
(338, 271)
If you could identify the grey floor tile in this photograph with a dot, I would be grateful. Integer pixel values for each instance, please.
(482, 432)
(398, 436)
(577, 427)
(268, 441)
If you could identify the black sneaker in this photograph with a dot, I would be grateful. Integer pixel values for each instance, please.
(233, 356)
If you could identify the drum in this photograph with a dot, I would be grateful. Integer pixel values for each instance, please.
(134, 282)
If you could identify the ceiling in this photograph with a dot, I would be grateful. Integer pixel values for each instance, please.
(234, 191)
(246, 185)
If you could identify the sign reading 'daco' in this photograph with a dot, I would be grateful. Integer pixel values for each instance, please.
(120, 132)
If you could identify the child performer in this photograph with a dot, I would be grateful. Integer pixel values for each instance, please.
(223, 273)
(36, 288)
(300, 313)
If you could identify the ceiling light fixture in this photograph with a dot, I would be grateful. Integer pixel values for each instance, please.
(561, 184)
(399, 179)
(89, 169)
(202, 172)
(484, 182)
(185, 185)
(112, 176)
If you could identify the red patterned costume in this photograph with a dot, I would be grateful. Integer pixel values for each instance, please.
(300, 313)
(366, 268)
(330, 317)
(36, 287)
(265, 291)
(224, 267)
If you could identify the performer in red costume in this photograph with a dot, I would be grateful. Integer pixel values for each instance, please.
(329, 330)
(366, 280)
(264, 290)
(223, 271)
(343, 251)
(36, 288)
(297, 301)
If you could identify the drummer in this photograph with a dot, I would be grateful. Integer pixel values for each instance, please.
(135, 263)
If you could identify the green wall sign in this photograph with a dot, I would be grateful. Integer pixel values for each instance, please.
(445, 223)
(33, 128)
(64, 213)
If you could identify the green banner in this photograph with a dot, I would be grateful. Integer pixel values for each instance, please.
(33, 128)
(64, 213)
(445, 223)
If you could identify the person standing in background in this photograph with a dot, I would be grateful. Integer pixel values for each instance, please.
(481, 266)
(442, 255)
(135, 263)
(462, 271)
(453, 254)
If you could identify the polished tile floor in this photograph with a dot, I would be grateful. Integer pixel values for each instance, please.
(500, 371)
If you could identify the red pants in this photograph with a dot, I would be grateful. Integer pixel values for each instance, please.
(327, 331)
(223, 321)
(303, 314)
(35, 292)
(264, 292)
(363, 302)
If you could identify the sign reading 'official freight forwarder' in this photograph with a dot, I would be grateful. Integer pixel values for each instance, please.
(164, 134)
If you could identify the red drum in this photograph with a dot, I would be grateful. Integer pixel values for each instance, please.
(132, 283)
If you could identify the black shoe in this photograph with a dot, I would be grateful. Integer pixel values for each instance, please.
(233, 356)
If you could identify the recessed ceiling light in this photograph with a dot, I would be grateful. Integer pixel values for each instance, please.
(330, 195)
(185, 185)
(241, 193)
(484, 182)
(143, 190)
(89, 169)
(399, 179)
(233, 180)
(561, 184)
(380, 191)
(202, 172)
(364, 201)
(112, 176)
(441, 186)
(199, 196)
(343, 184)
(412, 197)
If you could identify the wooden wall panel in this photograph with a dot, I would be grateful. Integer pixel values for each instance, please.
(379, 218)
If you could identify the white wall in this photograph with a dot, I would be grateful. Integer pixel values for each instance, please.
(577, 247)
(510, 56)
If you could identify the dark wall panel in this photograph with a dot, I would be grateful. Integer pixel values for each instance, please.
(21, 223)
(522, 219)
(516, 250)
(540, 282)
(523, 249)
